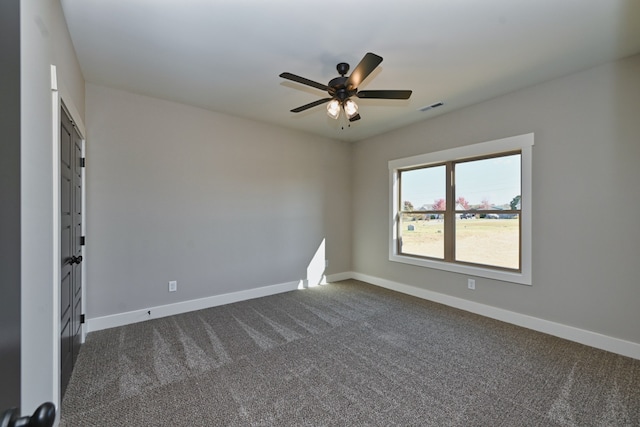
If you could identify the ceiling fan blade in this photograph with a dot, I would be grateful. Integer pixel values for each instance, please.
(384, 94)
(355, 118)
(310, 105)
(304, 81)
(363, 69)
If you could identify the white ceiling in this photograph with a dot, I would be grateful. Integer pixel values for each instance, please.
(226, 55)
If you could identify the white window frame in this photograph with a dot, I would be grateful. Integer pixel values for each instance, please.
(524, 143)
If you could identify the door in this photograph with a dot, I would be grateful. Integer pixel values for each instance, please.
(71, 248)
(10, 213)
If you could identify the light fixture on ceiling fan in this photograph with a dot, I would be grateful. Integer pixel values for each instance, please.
(343, 88)
(349, 106)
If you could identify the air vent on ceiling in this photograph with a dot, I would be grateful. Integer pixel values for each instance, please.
(429, 107)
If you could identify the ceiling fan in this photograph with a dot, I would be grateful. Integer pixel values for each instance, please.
(342, 88)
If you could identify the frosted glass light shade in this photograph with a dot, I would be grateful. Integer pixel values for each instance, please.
(351, 108)
(333, 109)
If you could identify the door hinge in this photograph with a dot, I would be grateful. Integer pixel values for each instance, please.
(83, 162)
(83, 240)
(82, 318)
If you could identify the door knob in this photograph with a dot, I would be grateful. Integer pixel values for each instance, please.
(75, 259)
(44, 416)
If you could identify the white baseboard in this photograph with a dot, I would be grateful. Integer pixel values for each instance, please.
(121, 319)
(339, 276)
(582, 336)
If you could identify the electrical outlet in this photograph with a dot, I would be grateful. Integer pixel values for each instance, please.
(471, 284)
(173, 286)
(326, 263)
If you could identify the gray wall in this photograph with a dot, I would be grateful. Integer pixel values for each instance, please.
(44, 40)
(10, 199)
(218, 203)
(586, 237)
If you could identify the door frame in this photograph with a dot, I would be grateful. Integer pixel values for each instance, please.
(60, 98)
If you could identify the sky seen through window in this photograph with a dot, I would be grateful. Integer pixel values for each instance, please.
(496, 180)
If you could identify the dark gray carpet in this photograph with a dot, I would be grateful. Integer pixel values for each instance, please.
(344, 354)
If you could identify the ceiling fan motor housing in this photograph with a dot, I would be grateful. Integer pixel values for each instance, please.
(338, 89)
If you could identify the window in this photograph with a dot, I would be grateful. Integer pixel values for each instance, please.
(465, 210)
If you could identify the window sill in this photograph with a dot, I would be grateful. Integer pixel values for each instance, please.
(505, 276)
